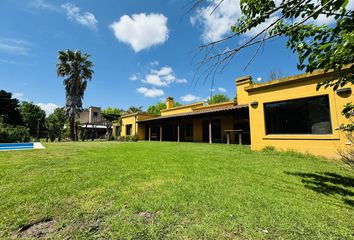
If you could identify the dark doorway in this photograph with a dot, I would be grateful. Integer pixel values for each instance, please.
(215, 130)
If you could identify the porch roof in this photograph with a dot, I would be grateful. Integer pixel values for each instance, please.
(197, 113)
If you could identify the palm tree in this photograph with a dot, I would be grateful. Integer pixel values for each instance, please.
(77, 68)
(133, 109)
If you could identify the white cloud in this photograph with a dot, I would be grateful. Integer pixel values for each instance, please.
(86, 19)
(47, 107)
(141, 31)
(217, 25)
(259, 79)
(150, 92)
(14, 46)
(189, 98)
(162, 77)
(18, 95)
(221, 89)
(154, 63)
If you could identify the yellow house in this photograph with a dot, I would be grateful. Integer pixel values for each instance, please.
(287, 113)
(290, 113)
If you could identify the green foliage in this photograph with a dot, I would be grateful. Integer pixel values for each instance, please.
(318, 47)
(77, 70)
(156, 109)
(133, 138)
(33, 117)
(112, 114)
(111, 110)
(9, 109)
(55, 124)
(348, 153)
(218, 98)
(133, 109)
(13, 134)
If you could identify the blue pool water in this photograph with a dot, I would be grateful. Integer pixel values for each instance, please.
(16, 146)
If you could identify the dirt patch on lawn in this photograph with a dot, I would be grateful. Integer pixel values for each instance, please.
(37, 229)
(146, 216)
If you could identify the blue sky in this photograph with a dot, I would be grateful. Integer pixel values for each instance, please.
(142, 50)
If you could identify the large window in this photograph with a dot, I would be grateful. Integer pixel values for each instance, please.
(300, 116)
(128, 129)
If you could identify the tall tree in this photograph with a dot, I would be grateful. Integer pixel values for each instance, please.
(77, 70)
(133, 109)
(55, 123)
(218, 98)
(156, 109)
(9, 109)
(33, 118)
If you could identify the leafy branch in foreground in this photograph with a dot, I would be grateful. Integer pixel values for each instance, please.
(327, 47)
(318, 47)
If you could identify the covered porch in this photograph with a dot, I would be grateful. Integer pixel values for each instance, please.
(221, 125)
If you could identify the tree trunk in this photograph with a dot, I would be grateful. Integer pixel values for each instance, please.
(59, 134)
(76, 132)
(72, 128)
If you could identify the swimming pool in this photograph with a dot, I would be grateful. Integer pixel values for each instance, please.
(20, 146)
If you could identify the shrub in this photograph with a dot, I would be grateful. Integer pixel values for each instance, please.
(133, 138)
(121, 138)
(11, 134)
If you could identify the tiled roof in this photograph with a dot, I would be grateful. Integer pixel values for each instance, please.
(199, 112)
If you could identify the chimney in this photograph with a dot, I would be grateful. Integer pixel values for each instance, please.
(169, 102)
(241, 84)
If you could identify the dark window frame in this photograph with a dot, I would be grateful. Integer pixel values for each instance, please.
(272, 132)
(128, 129)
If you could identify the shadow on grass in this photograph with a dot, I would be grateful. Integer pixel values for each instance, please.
(328, 183)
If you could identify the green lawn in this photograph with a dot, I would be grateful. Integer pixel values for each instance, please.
(158, 190)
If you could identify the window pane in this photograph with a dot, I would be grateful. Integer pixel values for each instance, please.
(300, 116)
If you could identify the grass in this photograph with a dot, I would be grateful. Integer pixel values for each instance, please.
(173, 191)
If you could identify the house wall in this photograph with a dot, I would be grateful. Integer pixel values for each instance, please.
(137, 129)
(126, 120)
(197, 130)
(325, 145)
(180, 109)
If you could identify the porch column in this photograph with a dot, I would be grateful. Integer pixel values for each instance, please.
(227, 137)
(240, 138)
(210, 133)
(149, 132)
(178, 129)
(160, 133)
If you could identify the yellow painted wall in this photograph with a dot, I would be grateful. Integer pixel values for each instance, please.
(197, 130)
(227, 123)
(115, 125)
(325, 145)
(180, 109)
(126, 120)
(137, 129)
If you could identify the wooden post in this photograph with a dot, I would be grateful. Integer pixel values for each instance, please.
(227, 137)
(210, 133)
(160, 133)
(240, 138)
(149, 132)
(178, 138)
